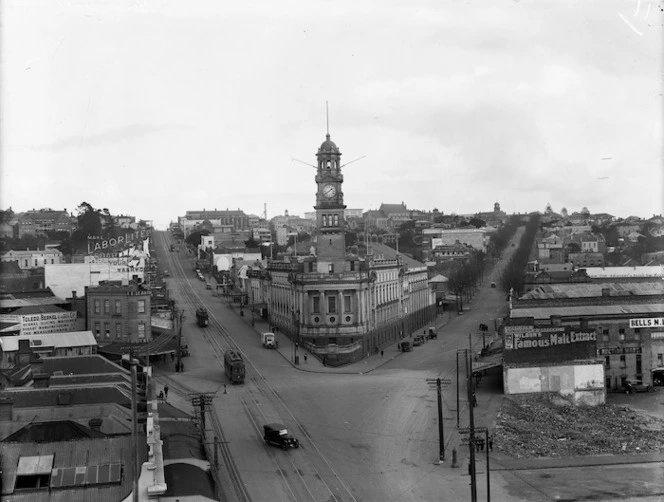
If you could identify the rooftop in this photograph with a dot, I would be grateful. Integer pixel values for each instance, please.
(638, 309)
(590, 290)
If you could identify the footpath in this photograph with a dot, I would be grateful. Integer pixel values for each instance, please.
(486, 414)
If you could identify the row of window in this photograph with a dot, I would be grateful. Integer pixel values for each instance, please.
(635, 335)
(639, 364)
(331, 304)
(330, 220)
(119, 333)
(140, 304)
(27, 262)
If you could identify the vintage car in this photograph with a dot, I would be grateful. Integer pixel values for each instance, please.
(418, 340)
(277, 435)
(406, 347)
(632, 387)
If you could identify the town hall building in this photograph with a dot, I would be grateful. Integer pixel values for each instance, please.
(342, 306)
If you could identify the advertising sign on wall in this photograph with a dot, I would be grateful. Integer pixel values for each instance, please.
(38, 324)
(105, 244)
(524, 344)
(650, 322)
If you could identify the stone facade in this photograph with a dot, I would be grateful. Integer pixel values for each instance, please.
(340, 306)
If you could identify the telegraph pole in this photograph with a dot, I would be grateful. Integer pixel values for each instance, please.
(438, 382)
(471, 417)
(179, 315)
(134, 427)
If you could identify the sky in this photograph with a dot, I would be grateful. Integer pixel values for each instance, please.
(153, 108)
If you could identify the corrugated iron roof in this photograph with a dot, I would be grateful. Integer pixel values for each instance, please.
(592, 290)
(605, 272)
(72, 454)
(589, 310)
(57, 340)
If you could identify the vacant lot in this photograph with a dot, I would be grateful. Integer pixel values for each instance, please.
(539, 428)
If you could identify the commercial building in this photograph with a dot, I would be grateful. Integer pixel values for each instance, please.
(119, 313)
(628, 319)
(50, 345)
(69, 279)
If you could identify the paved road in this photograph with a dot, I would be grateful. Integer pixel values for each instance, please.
(369, 431)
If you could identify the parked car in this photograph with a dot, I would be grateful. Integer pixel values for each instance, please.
(632, 387)
(277, 435)
(406, 347)
(418, 340)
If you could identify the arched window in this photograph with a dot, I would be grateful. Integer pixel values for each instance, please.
(324, 220)
(328, 164)
(336, 220)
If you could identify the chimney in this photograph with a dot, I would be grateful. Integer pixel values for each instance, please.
(24, 353)
(73, 295)
(95, 424)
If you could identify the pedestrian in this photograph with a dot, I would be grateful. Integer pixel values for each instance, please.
(381, 353)
(324, 363)
(477, 444)
(482, 444)
(166, 391)
(172, 356)
(490, 444)
(474, 400)
(181, 367)
(305, 358)
(399, 346)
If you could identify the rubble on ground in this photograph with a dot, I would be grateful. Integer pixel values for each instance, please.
(538, 428)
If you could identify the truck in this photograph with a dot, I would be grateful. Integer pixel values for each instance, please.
(268, 341)
(202, 317)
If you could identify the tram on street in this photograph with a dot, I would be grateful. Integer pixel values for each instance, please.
(234, 366)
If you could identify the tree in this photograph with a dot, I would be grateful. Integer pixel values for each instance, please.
(477, 223)
(194, 238)
(563, 212)
(89, 220)
(250, 243)
(6, 215)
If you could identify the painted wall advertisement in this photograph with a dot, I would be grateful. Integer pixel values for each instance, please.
(548, 344)
(39, 324)
(106, 244)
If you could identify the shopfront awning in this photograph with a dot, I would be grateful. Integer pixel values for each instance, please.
(484, 363)
(162, 344)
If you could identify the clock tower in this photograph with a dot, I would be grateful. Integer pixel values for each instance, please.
(331, 242)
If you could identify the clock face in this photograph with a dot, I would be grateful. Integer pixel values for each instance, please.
(329, 191)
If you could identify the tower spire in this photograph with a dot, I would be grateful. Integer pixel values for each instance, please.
(327, 120)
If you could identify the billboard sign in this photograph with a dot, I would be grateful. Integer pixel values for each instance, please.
(108, 244)
(43, 323)
(529, 344)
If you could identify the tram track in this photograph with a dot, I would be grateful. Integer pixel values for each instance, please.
(305, 473)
